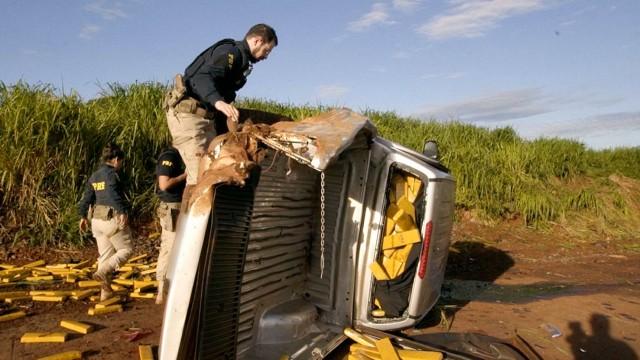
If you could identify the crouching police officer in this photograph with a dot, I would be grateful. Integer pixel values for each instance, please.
(205, 96)
(171, 184)
(104, 195)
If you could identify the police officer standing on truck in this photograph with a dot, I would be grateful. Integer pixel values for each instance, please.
(104, 195)
(171, 183)
(201, 103)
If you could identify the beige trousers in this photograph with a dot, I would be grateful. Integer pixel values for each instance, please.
(167, 238)
(191, 135)
(114, 244)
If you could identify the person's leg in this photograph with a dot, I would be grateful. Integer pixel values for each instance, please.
(191, 135)
(121, 242)
(102, 229)
(167, 239)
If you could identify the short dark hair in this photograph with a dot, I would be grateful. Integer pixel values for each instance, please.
(112, 151)
(266, 32)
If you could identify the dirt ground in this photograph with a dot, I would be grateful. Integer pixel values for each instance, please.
(500, 281)
(518, 282)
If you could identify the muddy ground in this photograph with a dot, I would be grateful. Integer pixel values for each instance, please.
(500, 281)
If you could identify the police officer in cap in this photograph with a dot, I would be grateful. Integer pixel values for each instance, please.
(201, 104)
(104, 195)
(171, 182)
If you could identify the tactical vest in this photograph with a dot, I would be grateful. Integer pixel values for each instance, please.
(197, 63)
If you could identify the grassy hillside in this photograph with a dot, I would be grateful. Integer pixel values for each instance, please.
(51, 144)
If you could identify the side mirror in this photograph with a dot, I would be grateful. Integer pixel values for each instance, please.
(430, 150)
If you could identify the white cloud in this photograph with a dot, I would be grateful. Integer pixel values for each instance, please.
(405, 5)
(501, 106)
(568, 22)
(512, 105)
(473, 18)
(605, 130)
(88, 31)
(378, 14)
(453, 75)
(507, 105)
(515, 107)
(601, 123)
(107, 10)
(331, 91)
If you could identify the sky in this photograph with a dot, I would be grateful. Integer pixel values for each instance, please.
(547, 68)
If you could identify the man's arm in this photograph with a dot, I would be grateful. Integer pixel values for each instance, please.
(205, 82)
(168, 166)
(165, 182)
(88, 198)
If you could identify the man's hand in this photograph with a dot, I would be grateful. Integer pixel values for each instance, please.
(84, 225)
(232, 113)
(121, 220)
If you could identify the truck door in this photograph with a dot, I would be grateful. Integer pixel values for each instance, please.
(405, 239)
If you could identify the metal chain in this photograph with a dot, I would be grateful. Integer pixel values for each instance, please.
(321, 224)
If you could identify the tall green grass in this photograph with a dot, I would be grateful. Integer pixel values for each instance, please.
(51, 144)
(501, 175)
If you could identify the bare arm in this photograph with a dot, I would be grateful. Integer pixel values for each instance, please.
(165, 182)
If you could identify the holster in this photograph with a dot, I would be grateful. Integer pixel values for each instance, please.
(102, 212)
(190, 105)
(168, 214)
(175, 94)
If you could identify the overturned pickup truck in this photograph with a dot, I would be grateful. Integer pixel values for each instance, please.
(297, 230)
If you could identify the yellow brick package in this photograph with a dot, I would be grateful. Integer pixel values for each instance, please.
(35, 337)
(67, 355)
(76, 326)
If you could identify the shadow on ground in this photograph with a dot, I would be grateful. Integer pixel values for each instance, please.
(468, 261)
(600, 344)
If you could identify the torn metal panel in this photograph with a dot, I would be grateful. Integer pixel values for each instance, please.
(314, 141)
(317, 140)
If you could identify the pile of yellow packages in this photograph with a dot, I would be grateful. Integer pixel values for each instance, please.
(134, 280)
(370, 348)
(401, 230)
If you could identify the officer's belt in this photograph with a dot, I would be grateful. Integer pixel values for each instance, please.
(103, 212)
(171, 205)
(190, 105)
